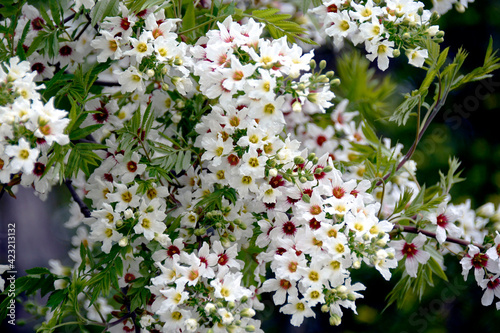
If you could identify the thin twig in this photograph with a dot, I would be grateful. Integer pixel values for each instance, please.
(415, 230)
(83, 207)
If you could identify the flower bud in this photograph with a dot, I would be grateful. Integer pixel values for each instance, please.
(150, 73)
(325, 308)
(231, 305)
(311, 156)
(273, 172)
(356, 264)
(330, 74)
(119, 223)
(303, 179)
(296, 106)
(123, 242)
(232, 238)
(306, 198)
(335, 320)
(459, 7)
(335, 82)
(248, 312)
(128, 213)
(312, 64)
(178, 61)
(312, 97)
(200, 232)
(299, 160)
(328, 168)
(165, 86)
(322, 64)
(396, 53)
(210, 308)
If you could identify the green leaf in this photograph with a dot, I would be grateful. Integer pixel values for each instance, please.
(57, 298)
(188, 20)
(81, 133)
(38, 271)
(103, 9)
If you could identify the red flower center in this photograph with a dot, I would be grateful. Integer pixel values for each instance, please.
(320, 140)
(289, 228)
(172, 249)
(338, 192)
(442, 221)
(479, 260)
(410, 250)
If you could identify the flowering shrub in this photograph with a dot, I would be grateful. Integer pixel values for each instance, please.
(208, 163)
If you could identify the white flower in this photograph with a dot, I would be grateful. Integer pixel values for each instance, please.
(299, 309)
(24, 157)
(417, 56)
(382, 50)
(413, 252)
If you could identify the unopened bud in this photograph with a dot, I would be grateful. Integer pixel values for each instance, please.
(312, 97)
(335, 82)
(440, 34)
(178, 62)
(299, 160)
(459, 7)
(123, 242)
(165, 86)
(150, 73)
(325, 308)
(335, 320)
(200, 232)
(306, 198)
(330, 74)
(312, 64)
(303, 179)
(180, 104)
(315, 160)
(396, 53)
(296, 106)
(250, 328)
(328, 168)
(231, 305)
(311, 156)
(322, 64)
(128, 213)
(119, 223)
(248, 312)
(356, 264)
(273, 172)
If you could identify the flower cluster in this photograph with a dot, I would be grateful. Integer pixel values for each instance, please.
(384, 27)
(28, 127)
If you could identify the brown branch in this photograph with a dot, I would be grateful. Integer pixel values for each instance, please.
(83, 207)
(415, 230)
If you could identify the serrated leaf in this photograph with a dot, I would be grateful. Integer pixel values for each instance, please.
(38, 271)
(403, 111)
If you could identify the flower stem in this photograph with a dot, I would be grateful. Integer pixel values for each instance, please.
(415, 230)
